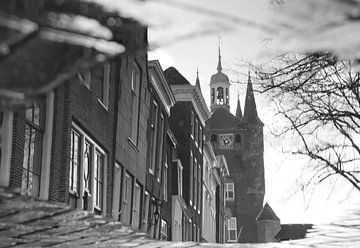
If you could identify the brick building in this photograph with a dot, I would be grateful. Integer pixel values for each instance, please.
(187, 121)
(159, 154)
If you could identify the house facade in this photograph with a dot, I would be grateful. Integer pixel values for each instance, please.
(159, 154)
(187, 121)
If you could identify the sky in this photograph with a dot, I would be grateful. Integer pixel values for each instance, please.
(185, 34)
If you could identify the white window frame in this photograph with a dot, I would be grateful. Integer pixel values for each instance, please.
(94, 147)
(232, 228)
(192, 124)
(160, 147)
(229, 188)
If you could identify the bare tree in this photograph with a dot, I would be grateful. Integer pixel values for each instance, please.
(319, 98)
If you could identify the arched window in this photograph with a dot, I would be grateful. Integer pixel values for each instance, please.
(227, 95)
(237, 138)
(213, 138)
(220, 96)
(212, 95)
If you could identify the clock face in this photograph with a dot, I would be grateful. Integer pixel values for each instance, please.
(226, 140)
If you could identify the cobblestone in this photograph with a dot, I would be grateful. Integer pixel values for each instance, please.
(28, 222)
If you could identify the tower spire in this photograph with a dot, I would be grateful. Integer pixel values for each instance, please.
(197, 77)
(219, 67)
(250, 112)
(238, 108)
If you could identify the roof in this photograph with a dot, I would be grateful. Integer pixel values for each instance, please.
(219, 77)
(185, 92)
(267, 213)
(293, 231)
(222, 119)
(173, 76)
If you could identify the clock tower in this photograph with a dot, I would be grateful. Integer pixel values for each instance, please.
(240, 139)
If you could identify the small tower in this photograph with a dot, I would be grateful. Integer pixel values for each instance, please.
(219, 89)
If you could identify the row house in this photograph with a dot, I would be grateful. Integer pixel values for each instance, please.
(159, 154)
(187, 120)
(210, 184)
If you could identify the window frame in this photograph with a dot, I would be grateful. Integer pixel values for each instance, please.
(229, 190)
(232, 227)
(35, 150)
(94, 147)
(135, 103)
(154, 135)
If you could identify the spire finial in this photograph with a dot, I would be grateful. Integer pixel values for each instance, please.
(197, 77)
(219, 67)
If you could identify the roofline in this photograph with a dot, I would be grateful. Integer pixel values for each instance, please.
(190, 93)
(156, 65)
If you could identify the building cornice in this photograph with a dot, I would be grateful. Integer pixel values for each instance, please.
(189, 93)
(161, 86)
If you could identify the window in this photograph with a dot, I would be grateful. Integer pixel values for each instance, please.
(146, 212)
(192, 124)
(212, 95)
(220, 96)
(126, 201)
(232, 230)
(180, 179)
(34, 131)
(136, 206)
(199, 187)
(98, 179)
(227, 95)
(135, 100)
(196, 132)
(200, 137)
(165, 179)
(213, 138)
(160, 147)
(237, 138)
(229, 191)
(195, 184)
(92, 165)
(164, 230)
(191, 177)
(105, 84)
(74, 162)
(153, 135)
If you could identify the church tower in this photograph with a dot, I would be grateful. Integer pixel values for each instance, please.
(239, 138)
(219, 89)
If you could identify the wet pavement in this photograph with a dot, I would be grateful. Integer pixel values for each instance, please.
(28, 222)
